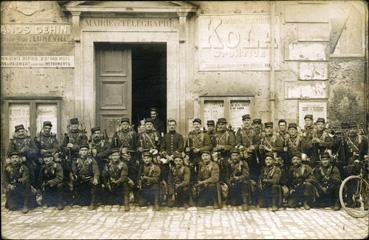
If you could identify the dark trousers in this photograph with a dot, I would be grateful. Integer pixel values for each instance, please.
(238, 192)
(304, 192)
(181, 196)
(52, 196)
(85, 193)
(149, 194)
(116, 194)
(269, 195)
(330, 197)
(17, 197)
(207, 195)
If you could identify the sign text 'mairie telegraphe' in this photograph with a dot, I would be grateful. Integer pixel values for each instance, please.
(131, 22)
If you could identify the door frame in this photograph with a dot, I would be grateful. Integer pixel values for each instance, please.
(87, 78)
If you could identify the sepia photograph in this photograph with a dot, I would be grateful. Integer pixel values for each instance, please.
(184, 119)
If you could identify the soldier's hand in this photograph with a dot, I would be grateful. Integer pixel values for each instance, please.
(196, 150)
(43, 151)
(261, 147)
(95, 181)
(188, 149)
(94, 152)
(11, 186)
(140, 149)
(50, 183)
(69, 145)
(324, 189)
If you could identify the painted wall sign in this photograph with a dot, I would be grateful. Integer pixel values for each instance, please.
(305, 90)
(318, 109)
(131, 22)
(37, 61)
(313, 70)
(237, 109)
(236, 42)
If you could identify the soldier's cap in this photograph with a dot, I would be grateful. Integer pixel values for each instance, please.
(269, 154)
(149, 120)
(222, 120)
(246, 116)
(320, 120)
(235, 150)
(282, 120)
(308, 116)
(154, 109)
(114, 150)
(268, 124)
(210, 123)
(74, 121)
(345, 125)
(12, 153)
(292, 125)
(19, 127)
(352, 124)
(197, 120)
(124, 119)
(146, 153)
(296, 154)
(326, 155)
(83, 145)
(94, 129)
(205, 151)
(178, 155)
(47, 154)
(256, 121)
(47, 123)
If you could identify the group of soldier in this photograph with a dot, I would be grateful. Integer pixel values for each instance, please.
(216, 165)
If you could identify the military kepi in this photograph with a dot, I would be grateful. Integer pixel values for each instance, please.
(268, 124)
(310, 116)
(246, 116)
(222, 120)
(19, 127)
(74, 121)
(94, 129)
(198, 120)
(47, 123)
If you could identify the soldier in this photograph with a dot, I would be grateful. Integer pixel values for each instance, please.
(27, 148)
(99, 147)
(293, 143)
(267, 142)
(257, 126)
(225, 141)
(329, 181)
(46, 140)
(51, 181)
(148, 182)
(301, 183)
(16, 182)
(115, 179)
(281, 143)
(239, 181)
(196, 142)
(207, 187)
(269, 184)
(150, 138)
(211, 132)
(85, 177)
(246, 141)
(158, 124)
(180, 187)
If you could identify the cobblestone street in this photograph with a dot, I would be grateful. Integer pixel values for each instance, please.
(111, 222)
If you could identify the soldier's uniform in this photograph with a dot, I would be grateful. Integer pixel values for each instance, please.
(16, 183)
(158, 124)
(51, 181)
(226, 140)
(269, 184)
(247, 142)
(28, 149)
(293, 144)
(281, 144)
(208, 182)
(148, 183)
(267, 143)
(150, 139)
(211, 132)
(99, 148)
(47, 143)
(239, 181)
(301, 184)
(328, 183)
(115, 181)
(180, 187)
(85, 176)
(200, 141)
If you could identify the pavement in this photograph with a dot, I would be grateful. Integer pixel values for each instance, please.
(112, 222)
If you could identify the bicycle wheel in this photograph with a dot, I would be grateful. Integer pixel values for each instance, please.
(354, 197)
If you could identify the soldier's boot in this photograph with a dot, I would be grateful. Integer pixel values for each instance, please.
(275, 203)
(171, 202)
(93, 203)
(245, 202)
(60, 205)
(156, 203)
(25, 204)
(215, 202)
(126, 202)
(276, 197)
(337, 206)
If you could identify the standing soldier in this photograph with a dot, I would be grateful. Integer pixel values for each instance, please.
(180, 187)
(115, 179)
(46, 140)
(301, 183)
(281, 143)
(196, 142)
(269, 184)
(329, 181)
(26, 147)
(158, 124)
(207, 185)
(246, 141)
(16, 182)
(99, 147)
(257, 126)
(150, 138)
(225, 141)
(239, 181)
(211, 132)
(267, 142)
(51, 181)
(85, 176)
(148, 182)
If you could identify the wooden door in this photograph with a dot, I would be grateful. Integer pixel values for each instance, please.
(113, 86)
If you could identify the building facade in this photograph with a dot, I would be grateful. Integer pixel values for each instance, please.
(100, 61)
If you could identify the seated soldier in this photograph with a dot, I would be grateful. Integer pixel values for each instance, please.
(180, 179)
(16, 183)
(148, 182)
(115, 180)
(329, 181)
(85, 177)
(301, 183)
(51, 181)
(269, 184)
(208, 181)
(239, 181)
